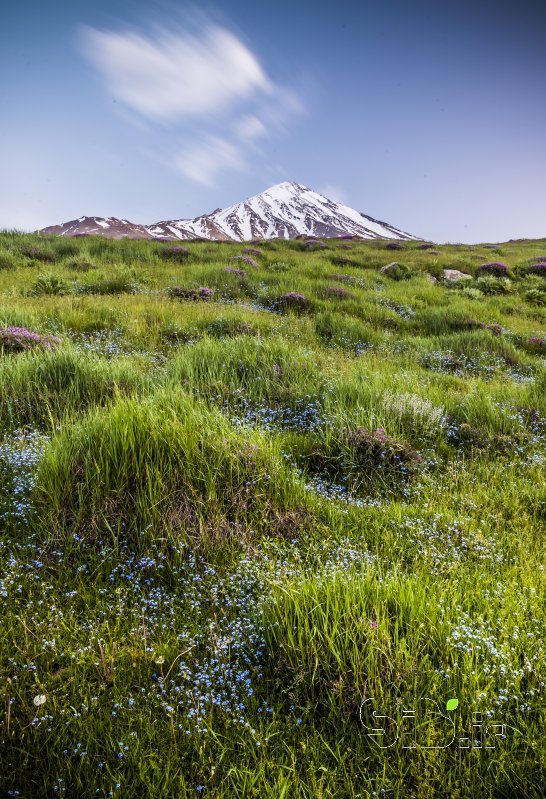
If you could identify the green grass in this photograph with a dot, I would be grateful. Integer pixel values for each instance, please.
(232, 528)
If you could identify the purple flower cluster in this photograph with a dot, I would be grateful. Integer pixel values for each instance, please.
(336, 292)
(494, 268)
(245, 260)
(253, 251)
(234, 271)
(19, 339)
(293, 300)
(537, 344)
(537, 269)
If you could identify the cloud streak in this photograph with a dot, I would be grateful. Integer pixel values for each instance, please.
(176, 75)
(208, 81)
(203, 162)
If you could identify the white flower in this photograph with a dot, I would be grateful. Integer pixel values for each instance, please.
(39, 700)
(160, 661)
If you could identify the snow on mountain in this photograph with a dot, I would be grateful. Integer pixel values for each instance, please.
(286, 211)
(108, 227)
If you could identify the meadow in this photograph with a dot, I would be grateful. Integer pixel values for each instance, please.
(249, 495)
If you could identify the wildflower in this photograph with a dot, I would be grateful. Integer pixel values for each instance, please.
(39, 700)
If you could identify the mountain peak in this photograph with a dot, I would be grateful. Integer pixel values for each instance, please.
(285, 210)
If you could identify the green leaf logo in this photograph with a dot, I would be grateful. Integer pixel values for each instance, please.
(452, 704)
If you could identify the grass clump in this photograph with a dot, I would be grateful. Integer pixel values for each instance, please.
(165, 462)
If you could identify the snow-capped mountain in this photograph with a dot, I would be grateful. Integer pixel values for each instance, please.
(286, 211)
(107, 226)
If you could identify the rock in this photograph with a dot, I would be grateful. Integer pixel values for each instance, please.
(431, 279)
(454, 276)
(390, 268)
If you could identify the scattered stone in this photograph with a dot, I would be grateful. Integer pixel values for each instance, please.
(455, 276)
(395, 270)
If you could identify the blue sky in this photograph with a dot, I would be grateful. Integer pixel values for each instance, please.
(428, 115)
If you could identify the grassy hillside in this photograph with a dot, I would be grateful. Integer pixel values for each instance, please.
(249, 497)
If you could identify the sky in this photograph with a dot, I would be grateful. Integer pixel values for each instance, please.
(428, 115)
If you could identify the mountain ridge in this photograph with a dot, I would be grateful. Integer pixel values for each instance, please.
(286, 210)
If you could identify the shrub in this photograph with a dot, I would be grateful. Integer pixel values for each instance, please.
(536, 345)
(314, 245)
(279, 266)
(335, 292)
(49, 284)
(38, 253)
(495, 268)
(244, 259)
(181, 293)
(176, 253)
(19, 339)
(493, 285)
(228, 328)
(375, 450)
(537, 269)
(343, 260)
(177, 335)
(536, 297)
(7, 261)
(467, 435)
(120, 284)
(292, 301)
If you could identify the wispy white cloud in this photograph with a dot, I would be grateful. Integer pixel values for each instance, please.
(207, 83)
(174, 75)
(250, 128)
(203, 162)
